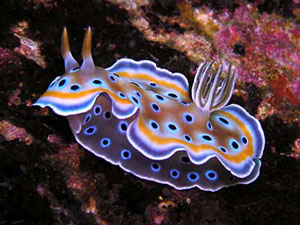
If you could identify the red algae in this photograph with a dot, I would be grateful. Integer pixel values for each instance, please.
(295, 153)
(28, 48)
(54, 139)
(282, 93)
(68, 155)
(7, 59)
(46, 4)
(271, 59)
(296, 148)
(14, 99)
(80, 182)
(68, 159)
(159, 214)
(11, 132)
(91, 206)
(265, 109)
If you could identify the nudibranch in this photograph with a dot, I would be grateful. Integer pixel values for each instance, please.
(144, 119)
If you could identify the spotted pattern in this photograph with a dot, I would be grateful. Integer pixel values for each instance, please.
(193, 177)
(155, 167)
(105, 142)
(107, 115)
(211, 175)
(125, 154)
(123, 125)
(97, 110)
(75, 87)
(174, 173)
(90, 130)
(88, 117)
(142, 118)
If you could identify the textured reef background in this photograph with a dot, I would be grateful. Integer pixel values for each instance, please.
(47, 178)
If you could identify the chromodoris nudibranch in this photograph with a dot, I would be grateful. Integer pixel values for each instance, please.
(144, 119)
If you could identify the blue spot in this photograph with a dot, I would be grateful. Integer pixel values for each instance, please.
(138, 94)
(152, 84)
(183, 103)
(172, 95)
(136, 84)
(206, 138)
(187, 138)
(121, 95)
(234, 144)
(97, 82)
(223, 149)
(112, 79)
(172, 127)
(223, 121)
(74, 69)
(155, 107)
(75, 87)
(90, 130)
(134, 100)
(155, 167)
(105, 142)
(209, 126)
(125, 154)
(174, 173)
(123, 126)
(106, 115)
(188, 118)
(160, 98)
(117, 76)
(193, 177)
(87, 118)
(211, 175)
(153, 125)
(244, 140)
(97, 110)
(62, 83)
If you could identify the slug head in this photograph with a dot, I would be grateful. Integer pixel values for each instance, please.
(74, 92)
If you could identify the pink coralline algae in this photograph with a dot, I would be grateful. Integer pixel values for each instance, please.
(28, 48)
(271, 52)
(68, 155)
(10, 132)
(159, 214)
(295, 153)
(296, 149)
(54, 139)
(68, 159)
(14, 99)
(46, 4)
(7, 59)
